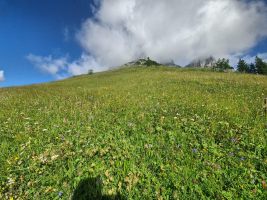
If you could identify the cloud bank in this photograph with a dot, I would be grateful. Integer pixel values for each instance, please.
(2, 77)
(178, 30)
(49, 65)
(251, 59)
(248, 58)
(61, 68)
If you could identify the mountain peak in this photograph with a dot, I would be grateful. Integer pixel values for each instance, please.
(143, 62)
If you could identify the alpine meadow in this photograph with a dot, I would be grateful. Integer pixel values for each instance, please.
(133, 100)
(136, 133)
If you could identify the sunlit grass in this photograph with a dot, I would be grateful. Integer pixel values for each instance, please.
(148, 133)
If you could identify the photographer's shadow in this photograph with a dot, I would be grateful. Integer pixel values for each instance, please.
(91, 189)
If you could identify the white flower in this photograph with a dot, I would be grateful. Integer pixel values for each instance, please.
(10, 181)
(54, 157)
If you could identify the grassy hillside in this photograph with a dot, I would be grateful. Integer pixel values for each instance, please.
(136, 133)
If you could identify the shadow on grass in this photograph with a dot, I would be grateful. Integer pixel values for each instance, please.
(90, 189)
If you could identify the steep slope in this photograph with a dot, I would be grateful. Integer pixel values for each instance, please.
(135, 133)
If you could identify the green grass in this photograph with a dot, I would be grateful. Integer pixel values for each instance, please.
(141, 133)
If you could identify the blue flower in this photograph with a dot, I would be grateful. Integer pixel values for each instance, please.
(242, 158)
(194, 150)
(60, 194)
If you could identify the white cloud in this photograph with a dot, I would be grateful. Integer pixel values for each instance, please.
(263, 56)
(2, 77)
(251, 59)
(248, 58)
(179, 30)
(82, 65)
(62, 68)
(48, 64)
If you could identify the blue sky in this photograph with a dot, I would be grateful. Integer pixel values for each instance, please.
(37, 26)
(44, 40)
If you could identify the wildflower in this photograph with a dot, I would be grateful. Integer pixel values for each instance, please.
(242, 158)
(217, 166)
(54, 157)
(234, 140)
(194, 150)
(43, 159)
(264, 185)
(130, 124)
(62, 138)
(148, 146)
(10, 181)
(231, 154)
(60, 194)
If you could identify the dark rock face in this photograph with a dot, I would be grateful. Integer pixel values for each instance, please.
(143, 62)
(208, 62)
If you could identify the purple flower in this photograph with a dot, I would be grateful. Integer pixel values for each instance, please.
(60, 194)
(194, 150)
